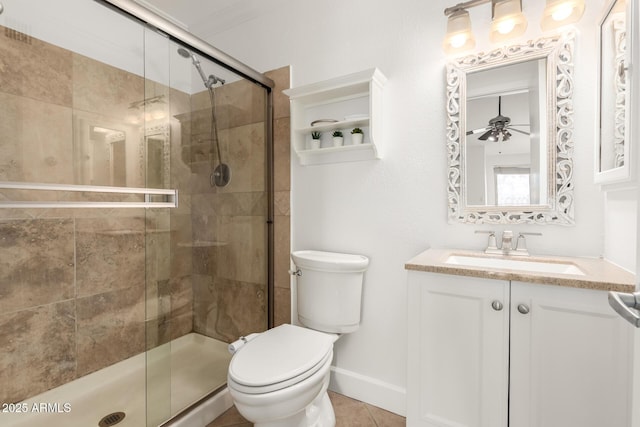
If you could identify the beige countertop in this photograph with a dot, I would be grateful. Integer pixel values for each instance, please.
(599, 273)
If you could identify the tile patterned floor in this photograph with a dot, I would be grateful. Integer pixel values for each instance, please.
(349, 413)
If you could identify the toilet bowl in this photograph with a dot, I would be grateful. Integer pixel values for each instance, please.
(280, 377)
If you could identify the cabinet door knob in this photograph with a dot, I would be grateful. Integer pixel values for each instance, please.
(522, 308)
(496, 305)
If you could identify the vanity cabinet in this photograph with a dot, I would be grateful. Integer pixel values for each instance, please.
(497, 353)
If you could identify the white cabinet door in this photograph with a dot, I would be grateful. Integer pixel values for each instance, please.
(458, 351)
(570, 359)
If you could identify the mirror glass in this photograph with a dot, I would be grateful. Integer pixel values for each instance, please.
(156, 162)
(105, 151)
(611, 159)
(116, 154)
(510, 134)
(506, 153)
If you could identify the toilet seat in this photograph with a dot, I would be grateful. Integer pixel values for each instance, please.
(279, 358)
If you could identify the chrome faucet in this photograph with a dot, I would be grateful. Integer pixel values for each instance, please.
(506, 247)
(507, 242)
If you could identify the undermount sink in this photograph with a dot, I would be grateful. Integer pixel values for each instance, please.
(537, 266)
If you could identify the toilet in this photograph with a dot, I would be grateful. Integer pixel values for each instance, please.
(280, 377)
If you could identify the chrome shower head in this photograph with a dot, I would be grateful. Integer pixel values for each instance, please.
(194, 59)
(208, 81)
(184, 52)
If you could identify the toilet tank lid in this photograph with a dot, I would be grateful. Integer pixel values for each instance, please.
(330, 261)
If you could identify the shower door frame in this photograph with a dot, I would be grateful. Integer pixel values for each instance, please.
(201, 47)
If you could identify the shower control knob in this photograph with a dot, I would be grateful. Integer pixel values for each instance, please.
(523, 308)
(496, 305)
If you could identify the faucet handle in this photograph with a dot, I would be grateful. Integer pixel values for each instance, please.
(485, 232)
(521, 244)
(491, 244)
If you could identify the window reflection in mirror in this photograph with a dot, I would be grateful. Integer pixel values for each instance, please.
(513, 186)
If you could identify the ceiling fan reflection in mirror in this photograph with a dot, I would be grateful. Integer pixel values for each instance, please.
(499, 127)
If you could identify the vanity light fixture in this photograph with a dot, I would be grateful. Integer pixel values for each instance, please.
(561, 12)
(459, 36)
(507, 21)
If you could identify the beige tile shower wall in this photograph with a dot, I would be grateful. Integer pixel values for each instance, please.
(230, 298)
(72, 282)
(230, 286)
(282, 187)
(71, 297)
(45, 91)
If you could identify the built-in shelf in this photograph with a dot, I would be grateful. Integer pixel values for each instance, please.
(354, 101)
(339, 125)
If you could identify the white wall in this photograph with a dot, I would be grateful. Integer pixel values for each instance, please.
(621, 200)
(393, 208)
(621, 210)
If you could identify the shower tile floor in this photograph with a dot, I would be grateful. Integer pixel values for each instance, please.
(349, 413)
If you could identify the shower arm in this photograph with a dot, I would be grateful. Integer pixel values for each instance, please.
(205, 79)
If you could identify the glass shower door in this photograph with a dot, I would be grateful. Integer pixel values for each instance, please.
(136, 304)
(73, 269)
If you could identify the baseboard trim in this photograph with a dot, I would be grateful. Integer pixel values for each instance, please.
(369, 390)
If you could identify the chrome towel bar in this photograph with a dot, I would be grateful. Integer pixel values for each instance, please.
(168, 197)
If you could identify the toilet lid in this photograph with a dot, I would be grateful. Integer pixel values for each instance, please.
(280, 354)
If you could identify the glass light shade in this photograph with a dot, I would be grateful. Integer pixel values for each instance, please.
(561, 12)
(459, 36)
(508, 21)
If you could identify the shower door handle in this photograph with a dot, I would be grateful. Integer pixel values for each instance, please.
(626, 305)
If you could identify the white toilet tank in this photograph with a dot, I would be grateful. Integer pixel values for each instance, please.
(329, 290)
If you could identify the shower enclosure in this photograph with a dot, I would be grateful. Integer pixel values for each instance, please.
(135, 214)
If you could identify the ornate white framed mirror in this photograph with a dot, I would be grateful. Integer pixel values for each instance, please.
(613, 126)
(510, 134)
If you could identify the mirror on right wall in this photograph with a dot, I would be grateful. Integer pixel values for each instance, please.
(612, 156)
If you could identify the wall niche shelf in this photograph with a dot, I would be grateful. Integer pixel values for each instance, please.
(354, 101)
